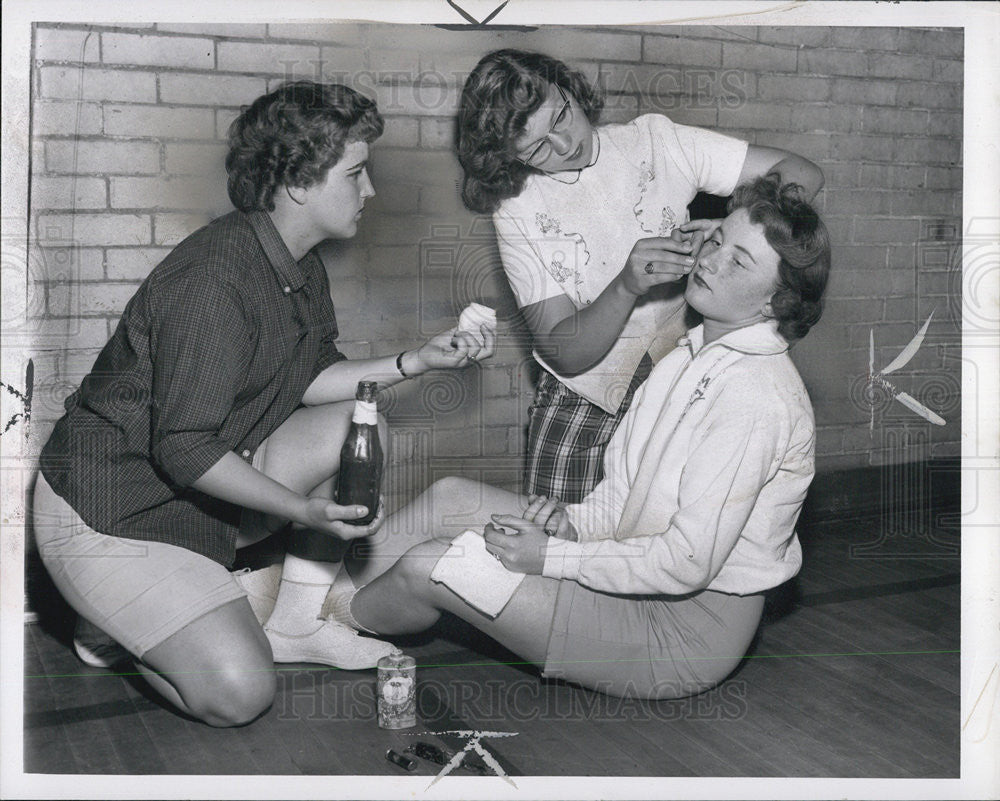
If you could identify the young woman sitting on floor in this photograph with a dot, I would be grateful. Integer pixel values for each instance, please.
(653, 585)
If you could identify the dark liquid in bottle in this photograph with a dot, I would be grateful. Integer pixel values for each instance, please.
(360, 478)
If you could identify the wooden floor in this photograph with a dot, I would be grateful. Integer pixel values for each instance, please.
(855, 673)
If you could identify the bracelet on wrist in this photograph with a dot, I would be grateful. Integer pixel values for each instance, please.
(399, 365)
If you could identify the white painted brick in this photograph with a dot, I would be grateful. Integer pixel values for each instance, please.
(424, 100)
(133, 264)
(74, 192)
(69, 263)
(57, 333)
(196, 159)
(858, 38)
(832, 62)
(399, 132)
(203, 192)
(949, 71)
(89, 83)
(437, 132)
(339, 33)
(757, 57)
(796, 88)
(56, 44)
(102, 156)
(267, 57)
(89, 299)
(572, 45)
(757, 115)
(161, 51)
(246, 30)
(67, 118)
(405, 63)
(172, 228)
(929, 95)
(678, 52)
(798, 35)
(223, 119)
(159, 121)
(210, 89)
(104, 298)
(97, 229)
(347, 65)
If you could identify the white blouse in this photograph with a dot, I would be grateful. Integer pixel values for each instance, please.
(573, 238)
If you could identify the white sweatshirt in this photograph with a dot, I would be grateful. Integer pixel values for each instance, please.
(704, 478)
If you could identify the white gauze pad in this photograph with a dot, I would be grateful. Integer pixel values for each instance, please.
(475, 575)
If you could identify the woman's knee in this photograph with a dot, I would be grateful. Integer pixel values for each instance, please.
(454, 487)
(414, 568)
(234, 694)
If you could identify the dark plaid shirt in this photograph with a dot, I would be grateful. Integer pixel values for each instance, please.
(213, 352)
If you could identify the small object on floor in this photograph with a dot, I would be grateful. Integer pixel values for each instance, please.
(95, 647)
(330, 643)
(399, 759)
(441, 756)
(472, 573)
(397, 692)
(261, 587)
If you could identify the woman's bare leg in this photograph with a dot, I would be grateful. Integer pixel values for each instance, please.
(218, 668)
(404, 600)
(443, 511)
(399, 597)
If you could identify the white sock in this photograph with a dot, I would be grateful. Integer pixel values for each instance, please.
(340, 610)
(304, 586)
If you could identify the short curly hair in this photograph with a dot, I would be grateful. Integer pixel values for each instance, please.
(797, 234)
(292, 136)
(505, 88)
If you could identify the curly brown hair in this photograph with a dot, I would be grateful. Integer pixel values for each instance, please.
(292, 136)
(505, 88)
(797, 234)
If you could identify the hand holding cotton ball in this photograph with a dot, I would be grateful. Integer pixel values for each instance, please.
(474, 316)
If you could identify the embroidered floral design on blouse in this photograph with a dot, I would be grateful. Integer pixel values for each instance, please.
(646, 176)
(668, 221)
(546, 223)
(556, 267)
(559, 270)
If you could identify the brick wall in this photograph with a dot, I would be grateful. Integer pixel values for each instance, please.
(128, 129)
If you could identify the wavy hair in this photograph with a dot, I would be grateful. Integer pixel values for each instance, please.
(505, 88)
(797, 234)
(292, 136)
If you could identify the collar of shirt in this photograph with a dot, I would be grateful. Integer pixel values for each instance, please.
(288, 270)
(760, 339)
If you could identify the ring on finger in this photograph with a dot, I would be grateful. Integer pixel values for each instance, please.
(649, 267)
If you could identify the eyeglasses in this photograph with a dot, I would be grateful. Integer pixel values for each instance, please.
(543, 150)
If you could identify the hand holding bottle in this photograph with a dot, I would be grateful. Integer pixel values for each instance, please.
(328, 517)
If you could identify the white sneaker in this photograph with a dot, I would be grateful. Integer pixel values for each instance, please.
(261, 587)
(96, 648)
(330, 643)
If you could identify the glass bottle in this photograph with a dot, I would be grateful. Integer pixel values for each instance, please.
(359, 480)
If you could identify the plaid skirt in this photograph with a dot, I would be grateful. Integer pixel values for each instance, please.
(567, 437)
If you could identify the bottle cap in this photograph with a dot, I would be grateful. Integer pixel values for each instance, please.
(367, 390)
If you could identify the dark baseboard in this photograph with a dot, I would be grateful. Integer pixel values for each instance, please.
(931, 488)
(866, 492)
